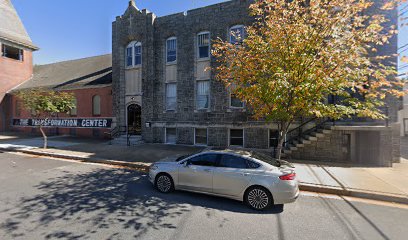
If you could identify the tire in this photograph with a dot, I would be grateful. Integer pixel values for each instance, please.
(164, 183)
(258, 198)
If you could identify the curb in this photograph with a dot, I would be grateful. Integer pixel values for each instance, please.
(144, 167)
(353, 193)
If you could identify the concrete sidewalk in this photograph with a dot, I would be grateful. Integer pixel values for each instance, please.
(386, 184)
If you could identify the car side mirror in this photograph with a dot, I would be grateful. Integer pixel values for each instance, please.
(186, 164)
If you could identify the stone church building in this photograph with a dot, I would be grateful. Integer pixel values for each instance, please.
(164, 91)
(158, 87)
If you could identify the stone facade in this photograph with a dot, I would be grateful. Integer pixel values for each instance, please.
(143, 26)
(152, 32)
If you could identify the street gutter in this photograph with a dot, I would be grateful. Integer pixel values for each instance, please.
(144, 167)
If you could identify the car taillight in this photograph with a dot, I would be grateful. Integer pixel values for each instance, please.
(287, 177)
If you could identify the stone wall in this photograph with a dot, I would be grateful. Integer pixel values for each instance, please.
(152, 32)
(328, 149)
(396, 142)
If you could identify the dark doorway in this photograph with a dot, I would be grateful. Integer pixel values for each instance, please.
(134, 114)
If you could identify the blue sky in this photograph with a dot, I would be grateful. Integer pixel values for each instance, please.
(81, 28)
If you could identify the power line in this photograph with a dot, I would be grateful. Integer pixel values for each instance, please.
(403, 8)
(401, 14)
(405, 45)
(406, 66)
(404, 50)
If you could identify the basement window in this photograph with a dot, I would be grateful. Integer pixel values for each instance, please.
(237, 137)
(12, 52)
(171, 135)
(273, 138)
(201, 136)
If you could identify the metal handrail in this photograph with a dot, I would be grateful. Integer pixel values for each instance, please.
(132, 131)
(302, 134)
(116, 131)
(301, 125)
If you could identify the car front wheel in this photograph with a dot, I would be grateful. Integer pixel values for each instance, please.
(164, 183)
(258, 198)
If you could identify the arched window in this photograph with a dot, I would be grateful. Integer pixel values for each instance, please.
(171, 50)
(138, 53)
(133, 54)
(129, 56)
(17, 109)
(74, 110)
(237, 34)
(203, 43)
(96, 105)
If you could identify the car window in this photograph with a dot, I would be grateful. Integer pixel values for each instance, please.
(253, 165)
(270, 160)
(231, 161)
(204, 160)
(183, 157)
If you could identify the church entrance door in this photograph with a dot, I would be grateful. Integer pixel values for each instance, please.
(134, 121)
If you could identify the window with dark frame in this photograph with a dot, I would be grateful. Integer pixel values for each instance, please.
(237, 34)
(203, 42)
(171, 49)
(129, 57)
(12, 52)
(273, 138)
(237, 137)
(235, 102)
(133, 54)
(201, 136)
(138, 54)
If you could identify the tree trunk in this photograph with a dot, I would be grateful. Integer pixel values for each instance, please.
(283, 130)
(45, 137)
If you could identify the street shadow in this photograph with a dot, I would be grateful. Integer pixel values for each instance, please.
(118, 200)
(146, 153)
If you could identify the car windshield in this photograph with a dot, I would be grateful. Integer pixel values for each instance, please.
(270, 160)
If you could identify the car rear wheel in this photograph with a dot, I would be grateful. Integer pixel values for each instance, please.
(164, 183)
(258, 198)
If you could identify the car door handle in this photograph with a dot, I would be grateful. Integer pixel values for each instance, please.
(245, 174)
(207, 170)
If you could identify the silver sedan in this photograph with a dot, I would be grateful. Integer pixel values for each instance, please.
(251, 177)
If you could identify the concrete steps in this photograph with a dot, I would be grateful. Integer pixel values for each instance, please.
(306, 141)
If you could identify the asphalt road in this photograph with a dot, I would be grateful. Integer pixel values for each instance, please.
(53, 199)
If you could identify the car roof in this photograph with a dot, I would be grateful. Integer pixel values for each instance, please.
(229, 151)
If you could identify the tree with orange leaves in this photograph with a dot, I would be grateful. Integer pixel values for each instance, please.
(298, 53)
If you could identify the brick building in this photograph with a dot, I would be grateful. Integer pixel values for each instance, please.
(16, 61)
(89, 79)
(162, 90)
